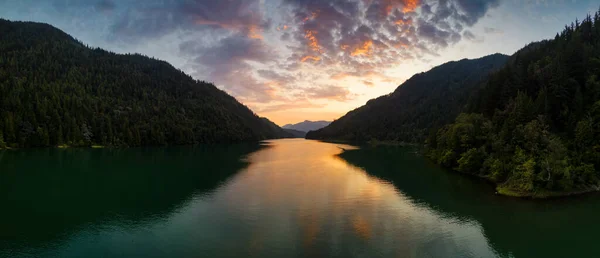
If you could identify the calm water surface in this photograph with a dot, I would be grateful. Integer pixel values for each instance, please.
(283, 198)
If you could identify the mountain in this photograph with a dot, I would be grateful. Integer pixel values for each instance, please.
(295, 133)
(534, 127)
(276, 131)
(427, 100)
(307, 126)
(55, 90)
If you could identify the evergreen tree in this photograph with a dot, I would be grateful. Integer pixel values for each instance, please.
(2, 142)
(536, 147)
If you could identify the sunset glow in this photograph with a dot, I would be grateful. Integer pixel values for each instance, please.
(363, 50)
(296, 60)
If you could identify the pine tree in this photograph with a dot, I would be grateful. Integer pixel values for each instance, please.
(2, 142)
(9, 128)
(549, 145)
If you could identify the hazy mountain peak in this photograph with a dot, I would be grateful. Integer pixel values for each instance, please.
(307, 125)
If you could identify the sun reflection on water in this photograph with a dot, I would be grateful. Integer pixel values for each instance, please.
(301, 190)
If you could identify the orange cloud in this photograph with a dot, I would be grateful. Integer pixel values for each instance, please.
(410, 5)
(254, 32)
(407, 5)
(278, 107)
(313, 43)
(363, 50)
(339, 76)
(313, 58)
(407, 21)
(363, 72)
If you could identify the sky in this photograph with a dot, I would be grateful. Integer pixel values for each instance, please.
(296, 60)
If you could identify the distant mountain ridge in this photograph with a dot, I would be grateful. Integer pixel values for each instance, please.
(294, 133)
(307, 125)
(425, 101)
(54, 90)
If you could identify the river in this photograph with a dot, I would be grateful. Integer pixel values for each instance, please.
(280, 198)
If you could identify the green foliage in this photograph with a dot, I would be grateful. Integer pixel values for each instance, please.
(54, 90)
(535, 124)
(471, 161)
(448, 158)
(2, 142)
(496, 168)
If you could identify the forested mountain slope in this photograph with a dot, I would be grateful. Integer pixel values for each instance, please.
(534, 127)
(55, 90)
(295, 133)
(427, 100)
(307, 125)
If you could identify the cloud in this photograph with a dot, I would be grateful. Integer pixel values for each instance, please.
(273, 52)
(473, 10)
(378, 34)
(105, 5)
(435, 35)
(355, 37)
(230, 51)
(329, 92)
(274, 76)
(228, 64)
(152, 19)
(489, 30)
(469, 35)
(302, 104)
(472, 37)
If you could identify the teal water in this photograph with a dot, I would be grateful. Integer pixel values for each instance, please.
(282, 198)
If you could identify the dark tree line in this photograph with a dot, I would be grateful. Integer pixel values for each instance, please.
(534, 127)
(54, 90)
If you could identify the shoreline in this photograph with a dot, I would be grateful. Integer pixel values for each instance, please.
(545, 195)
(538, 195)
(499, 189)
(97, 146)
(371, 142)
